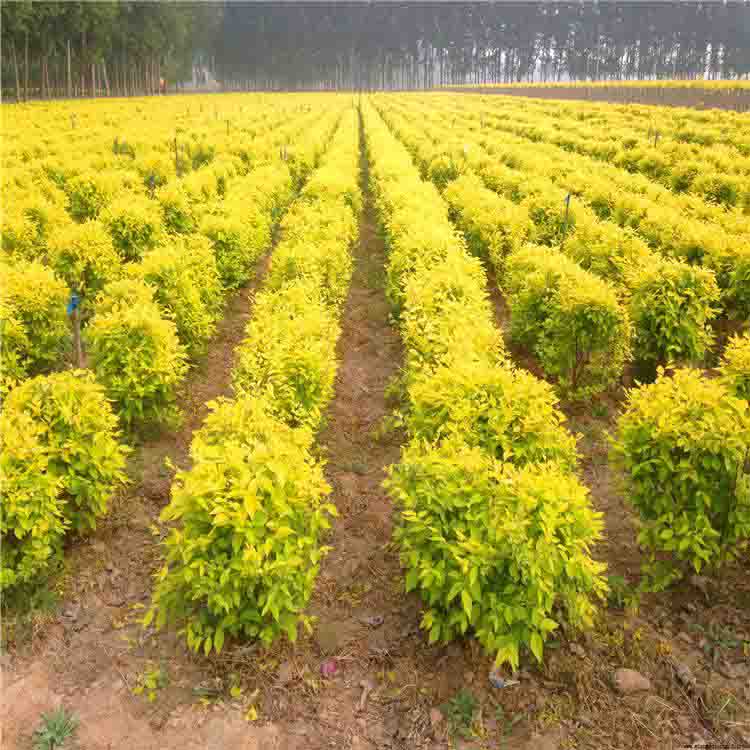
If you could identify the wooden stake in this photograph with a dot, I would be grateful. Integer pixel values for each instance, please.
(75, 319)
(567, 213)
(77, 338)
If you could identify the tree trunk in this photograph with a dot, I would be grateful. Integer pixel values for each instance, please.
(70, 74)
(45, 78)
(82, 65)
(26, 67)
(15, 68)
(106, 79)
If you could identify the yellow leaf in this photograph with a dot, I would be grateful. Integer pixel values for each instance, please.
(252, 714)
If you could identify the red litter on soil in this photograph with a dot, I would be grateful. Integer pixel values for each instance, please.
(329, 668)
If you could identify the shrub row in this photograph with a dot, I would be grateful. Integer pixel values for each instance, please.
(669, 302)
(62, 458)
(140, 352)
(683, 442)
(495, 529)
(60, 463)
(245, 552)
(100, 170)
(717, 175)
(683, 227)
(638, 177)
(125, 233)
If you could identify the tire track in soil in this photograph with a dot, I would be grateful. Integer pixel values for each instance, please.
(79, 657)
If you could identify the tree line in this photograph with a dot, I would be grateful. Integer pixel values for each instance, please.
(80, 48)
(66, 49)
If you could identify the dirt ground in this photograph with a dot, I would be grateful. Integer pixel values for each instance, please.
(384, 686)
(737, 100)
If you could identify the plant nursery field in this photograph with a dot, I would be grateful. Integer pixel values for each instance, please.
(398, 420)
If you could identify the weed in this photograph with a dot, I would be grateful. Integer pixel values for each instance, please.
(722, 706)
(57, 726)
(459, 713)
(395, 390)
(717, 639)
(27, 609)
(505, 723)
(599, 410)
(374, 276)
(612, 639)
(387, 426)
(152, 680)
(353, 594)
(557, 709)
(621, 594)
(355, 467)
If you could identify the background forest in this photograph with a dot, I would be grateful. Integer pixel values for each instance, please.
(122, 48)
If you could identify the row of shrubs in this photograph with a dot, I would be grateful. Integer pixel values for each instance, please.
(63, 454)
(716, 174)
(242, 558)
(138, 341)
(657, 308)
(495, 529)
(62, 459)
(667, 303)
(682, 443)
(679, 226)
(128, 220)
(104, 181)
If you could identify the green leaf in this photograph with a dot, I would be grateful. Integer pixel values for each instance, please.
(219, 640)
(411, 580)
(435, 632)
(537, 646)
(466, 602)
